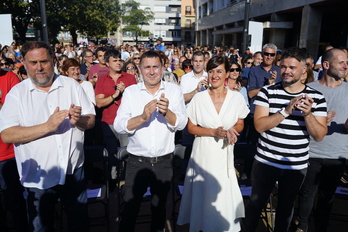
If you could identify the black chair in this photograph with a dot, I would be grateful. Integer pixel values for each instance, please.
(180, 161)
(121, 157)
(96, 173)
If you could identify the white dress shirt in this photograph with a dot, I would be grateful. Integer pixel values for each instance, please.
(155, 137)
(189, 82)
(44, 162)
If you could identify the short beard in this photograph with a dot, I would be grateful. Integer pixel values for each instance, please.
(289, 82)
(334, 76)
(41, 84)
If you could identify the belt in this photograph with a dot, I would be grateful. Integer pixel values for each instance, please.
(151, 160)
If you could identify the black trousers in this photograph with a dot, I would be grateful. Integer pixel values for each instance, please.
(12, 193)
(323, 176)
(139, 176)
(263, 180)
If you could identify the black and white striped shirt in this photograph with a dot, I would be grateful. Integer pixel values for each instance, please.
(286, 145)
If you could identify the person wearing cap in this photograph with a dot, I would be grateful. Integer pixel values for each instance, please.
(159, 45)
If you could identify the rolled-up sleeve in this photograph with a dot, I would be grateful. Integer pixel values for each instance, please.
(177, 106)
(124, 114)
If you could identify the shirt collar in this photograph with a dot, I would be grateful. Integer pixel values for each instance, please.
(161, 88)
(57, 82)
(121, 76)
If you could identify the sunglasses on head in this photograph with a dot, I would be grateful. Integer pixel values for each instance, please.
(130, 68)
(235, 69)
(269, 54)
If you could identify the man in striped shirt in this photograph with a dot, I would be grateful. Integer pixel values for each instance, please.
(286, 115)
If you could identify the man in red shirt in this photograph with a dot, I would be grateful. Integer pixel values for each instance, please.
(108, 91)
(9, 178)
(99, 69)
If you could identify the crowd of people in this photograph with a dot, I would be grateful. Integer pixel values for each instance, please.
(287, 108)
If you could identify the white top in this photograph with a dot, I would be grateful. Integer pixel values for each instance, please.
(44, 162)
(88, 88)
(155, 137)
(189, 81)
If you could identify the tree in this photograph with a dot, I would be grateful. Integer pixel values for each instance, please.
(23, 14)
(135, 18)
(92, 18)
(101, 17)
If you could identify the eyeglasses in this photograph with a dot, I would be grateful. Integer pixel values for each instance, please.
(248, 62)
(136, 58)
(269, 54)
(130, 68)
(235, 69)
(188, 67)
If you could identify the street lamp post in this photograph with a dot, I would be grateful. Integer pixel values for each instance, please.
(246, 24)
(44, 21)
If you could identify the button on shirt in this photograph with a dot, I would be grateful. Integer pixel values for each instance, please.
(44, 162)
(155, 137)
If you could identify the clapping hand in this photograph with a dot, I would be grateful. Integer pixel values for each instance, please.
(162, 105)
(74, 113)
(232, 136)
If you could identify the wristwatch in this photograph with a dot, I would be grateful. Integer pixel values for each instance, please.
(282, 112)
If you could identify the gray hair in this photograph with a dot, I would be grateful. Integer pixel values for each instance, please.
(270, 45)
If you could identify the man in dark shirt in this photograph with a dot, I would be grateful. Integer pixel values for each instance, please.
(264, 74)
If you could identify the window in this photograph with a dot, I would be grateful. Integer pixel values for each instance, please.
(188, 10)
(175, 33)
(187, 36)
(159, 9)
(159, 34)
(174, 9)
(188, 23)
(159, 21)
(156, 34)
(163, 34)
(174, 21)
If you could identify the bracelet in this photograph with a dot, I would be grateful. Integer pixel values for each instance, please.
(113, 99)
(282, 112)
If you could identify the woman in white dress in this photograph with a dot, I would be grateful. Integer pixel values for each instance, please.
(212, 201)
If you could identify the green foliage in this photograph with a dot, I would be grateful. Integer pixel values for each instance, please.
(134, 18)
(92, 18)
(23, 13)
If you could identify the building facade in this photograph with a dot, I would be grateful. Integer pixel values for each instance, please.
(311, 24)
(188, 18)
(166, 23)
